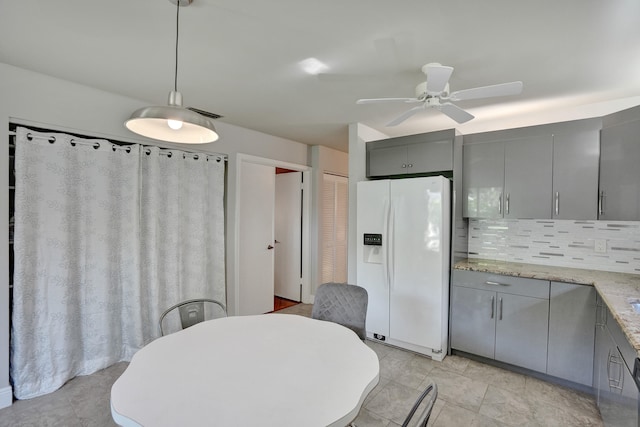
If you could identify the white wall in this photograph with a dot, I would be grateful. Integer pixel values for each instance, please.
(323, 160)
(359, 135)
(61, 105)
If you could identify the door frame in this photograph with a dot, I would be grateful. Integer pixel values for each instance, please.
(306, 221)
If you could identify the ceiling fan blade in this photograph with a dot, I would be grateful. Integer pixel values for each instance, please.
(504, 89)
(437, 77)
(404, 116)
(455, 112)
(377, 100)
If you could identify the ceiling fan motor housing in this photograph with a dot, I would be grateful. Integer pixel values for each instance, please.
(422, 94)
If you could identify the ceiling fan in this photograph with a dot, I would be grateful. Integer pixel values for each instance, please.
(434, 93)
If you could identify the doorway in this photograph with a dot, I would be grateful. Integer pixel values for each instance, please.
(288, 237)
(255, 265)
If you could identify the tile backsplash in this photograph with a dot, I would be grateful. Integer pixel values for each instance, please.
(558, 243)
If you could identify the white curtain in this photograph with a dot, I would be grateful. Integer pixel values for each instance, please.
(106, 238)
(182, 229)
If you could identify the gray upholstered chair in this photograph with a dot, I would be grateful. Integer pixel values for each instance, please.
(191, 312)
(343, 304)
(425, 404)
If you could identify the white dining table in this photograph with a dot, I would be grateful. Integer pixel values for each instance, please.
(266, 370)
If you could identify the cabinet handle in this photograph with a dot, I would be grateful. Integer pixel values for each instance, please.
(500, 318)
(601, 203)
(493, 300)
(615, 383)
(404, 165)
(500, 203)
(557, 203)
(506, 204)
(601, 315)
(496, 283)
(410, 165)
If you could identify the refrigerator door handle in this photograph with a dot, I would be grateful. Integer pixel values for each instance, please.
(385, 244)
(390, 244)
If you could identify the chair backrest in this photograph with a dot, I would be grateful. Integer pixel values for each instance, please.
(194, 311)
(425, 404)
(344, 304)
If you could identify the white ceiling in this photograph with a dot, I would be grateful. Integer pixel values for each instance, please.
(240, 58)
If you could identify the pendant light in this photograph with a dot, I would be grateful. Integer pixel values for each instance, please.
(173, 122)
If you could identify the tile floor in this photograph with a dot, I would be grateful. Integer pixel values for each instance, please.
(470, 394)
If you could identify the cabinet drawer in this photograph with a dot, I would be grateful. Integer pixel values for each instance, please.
(499, 283)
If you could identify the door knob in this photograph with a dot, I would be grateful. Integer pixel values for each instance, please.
(269, 247)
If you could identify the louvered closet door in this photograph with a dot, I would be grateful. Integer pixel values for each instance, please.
(335, 198)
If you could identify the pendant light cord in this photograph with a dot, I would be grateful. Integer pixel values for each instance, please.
(175, 81)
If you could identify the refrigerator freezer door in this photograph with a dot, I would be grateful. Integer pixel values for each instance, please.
(419, 253)
(373, 210)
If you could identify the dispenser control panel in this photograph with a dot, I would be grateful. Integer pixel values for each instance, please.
(372, 239)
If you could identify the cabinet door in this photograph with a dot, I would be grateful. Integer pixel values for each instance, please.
(617, 392)
(575, 175)
(473, 317)
(430, 157)
(527, 177)
(522, 329)
(483, 180)
(619, 172)
(627, 400)
(572, 318)
(387, 161)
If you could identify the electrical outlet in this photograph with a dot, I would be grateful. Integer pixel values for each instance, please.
(600, 245)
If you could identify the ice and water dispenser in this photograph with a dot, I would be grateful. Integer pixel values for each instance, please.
(372, 248)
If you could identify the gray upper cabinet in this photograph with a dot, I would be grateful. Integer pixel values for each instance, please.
(619, 172)
(575, 175)
(483, 180)
(527, 177)
(540, 172)
(508, 179)
(415, 154)
(388, 161)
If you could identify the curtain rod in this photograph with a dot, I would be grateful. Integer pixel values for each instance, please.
(163, 151)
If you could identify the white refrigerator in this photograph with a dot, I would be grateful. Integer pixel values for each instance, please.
(403, 249)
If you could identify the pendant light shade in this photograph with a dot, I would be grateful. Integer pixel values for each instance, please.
(173, 122)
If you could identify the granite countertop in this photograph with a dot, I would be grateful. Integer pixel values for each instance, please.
(616, 289)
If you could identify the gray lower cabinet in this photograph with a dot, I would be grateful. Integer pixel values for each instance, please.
(473, 324)
(617, 393)
(572, 320)
(522, 327)
(501, 317)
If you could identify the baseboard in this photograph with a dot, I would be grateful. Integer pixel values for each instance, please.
(6, 397)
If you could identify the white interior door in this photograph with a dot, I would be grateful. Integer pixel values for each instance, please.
(288, 235)
(256, 240)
